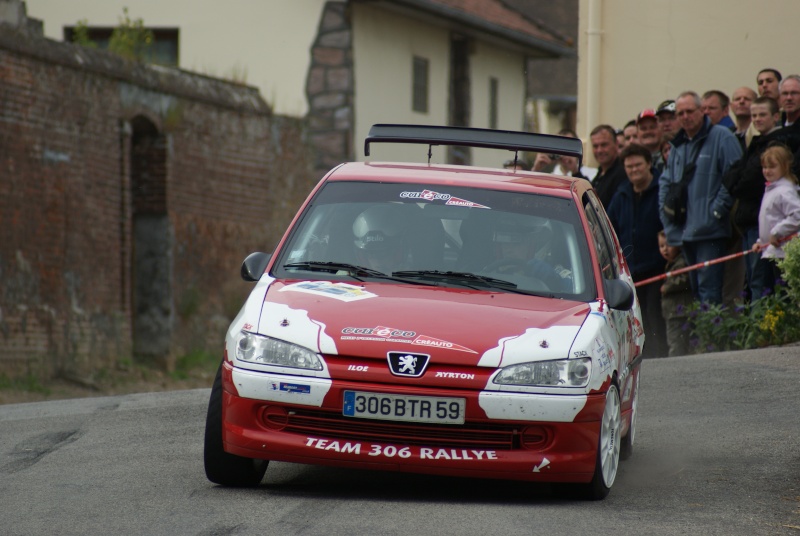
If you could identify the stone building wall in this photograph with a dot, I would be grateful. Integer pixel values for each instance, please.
(330, 89)
(129, 195)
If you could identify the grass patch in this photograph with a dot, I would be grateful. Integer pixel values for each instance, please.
(28, 384)
(194, 362)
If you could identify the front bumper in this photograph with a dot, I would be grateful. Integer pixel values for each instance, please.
(300, 420)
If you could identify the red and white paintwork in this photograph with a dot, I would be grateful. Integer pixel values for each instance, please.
(469, 336)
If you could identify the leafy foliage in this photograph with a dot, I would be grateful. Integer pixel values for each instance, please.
(790, 268)
(773, 319)
(80, 35)
(131, 39)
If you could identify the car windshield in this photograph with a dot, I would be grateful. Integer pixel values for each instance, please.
(441, 235)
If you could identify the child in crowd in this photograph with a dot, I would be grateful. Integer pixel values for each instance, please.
(676, 297)
(779, 216)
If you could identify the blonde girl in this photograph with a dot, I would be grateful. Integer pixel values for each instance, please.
(779, 216)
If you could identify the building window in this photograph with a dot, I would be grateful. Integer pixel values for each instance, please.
(164, 50)
(419, 88)
(493, 102)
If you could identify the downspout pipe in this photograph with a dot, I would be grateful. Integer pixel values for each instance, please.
(594, 41)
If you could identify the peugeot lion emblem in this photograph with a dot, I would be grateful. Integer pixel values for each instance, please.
(406, 364)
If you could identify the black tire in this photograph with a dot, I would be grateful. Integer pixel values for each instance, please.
(626, 446)
(223, 468)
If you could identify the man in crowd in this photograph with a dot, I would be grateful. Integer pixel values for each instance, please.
(705, 234)
(610, 173)
(629, 133)
(790, 99)
(767, 81)
(716, 105)
(634, 215)
(666, 119)
(741, 100)
(649, 135)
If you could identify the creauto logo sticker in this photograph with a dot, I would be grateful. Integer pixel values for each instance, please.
(430, 195)
(387, 334)
(339, 291)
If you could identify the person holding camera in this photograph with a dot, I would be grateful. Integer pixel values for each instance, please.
(693, 204)
(563, 165)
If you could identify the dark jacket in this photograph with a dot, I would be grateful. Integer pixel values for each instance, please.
(676, 292)
(709, 202)
(635, 219)
(606, 184)
(745, 181)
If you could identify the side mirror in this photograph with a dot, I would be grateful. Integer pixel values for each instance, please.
(254, 265)
(618, 293)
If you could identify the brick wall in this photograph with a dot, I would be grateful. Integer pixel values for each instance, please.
(88, 144)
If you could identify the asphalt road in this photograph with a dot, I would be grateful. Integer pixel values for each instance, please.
(717, 452)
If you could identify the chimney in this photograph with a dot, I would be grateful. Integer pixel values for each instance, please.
(14, 13)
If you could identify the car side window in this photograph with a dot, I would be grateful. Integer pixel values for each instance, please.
(604, 243)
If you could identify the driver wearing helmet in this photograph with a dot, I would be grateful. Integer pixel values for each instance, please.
(378, 238)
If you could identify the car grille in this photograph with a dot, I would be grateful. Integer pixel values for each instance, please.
(471, 435)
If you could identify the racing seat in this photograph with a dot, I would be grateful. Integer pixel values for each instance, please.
(426, 243)
(477, 249)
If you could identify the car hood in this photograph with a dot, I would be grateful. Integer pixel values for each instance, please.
(456, 326)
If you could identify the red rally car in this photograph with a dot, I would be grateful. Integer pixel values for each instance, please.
(436, 319)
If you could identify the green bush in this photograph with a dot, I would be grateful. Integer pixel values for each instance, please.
(131, 39)
(790, 268)
(773, 319)
(767, 321)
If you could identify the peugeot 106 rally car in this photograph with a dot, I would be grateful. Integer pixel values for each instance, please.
(436, 319)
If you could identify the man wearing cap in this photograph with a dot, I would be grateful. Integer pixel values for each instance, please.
(704, 235)
(767, 81)
(666, 119)
(716, 105)
(649, 135)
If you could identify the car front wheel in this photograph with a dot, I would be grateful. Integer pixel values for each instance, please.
(605, 471)
(221, 467)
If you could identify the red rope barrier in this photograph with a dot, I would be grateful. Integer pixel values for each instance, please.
(707, 263)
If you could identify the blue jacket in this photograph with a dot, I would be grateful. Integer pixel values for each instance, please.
(707, 195)
(635, 219)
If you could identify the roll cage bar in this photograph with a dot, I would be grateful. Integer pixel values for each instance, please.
(474, 137)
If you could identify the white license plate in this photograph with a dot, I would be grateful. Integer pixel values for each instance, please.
(442, 410)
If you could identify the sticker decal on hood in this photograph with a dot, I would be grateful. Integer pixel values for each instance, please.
(386, 334)
(527, 346)
(339, 291)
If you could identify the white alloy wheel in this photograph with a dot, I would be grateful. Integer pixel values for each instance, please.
(608, 456)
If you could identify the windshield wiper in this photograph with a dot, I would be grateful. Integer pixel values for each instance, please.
(470, 280)
(353, 270)
(466, 278)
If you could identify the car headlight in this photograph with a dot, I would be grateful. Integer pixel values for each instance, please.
(268, 351)
(558, 373)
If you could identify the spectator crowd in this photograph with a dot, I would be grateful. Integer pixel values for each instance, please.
(695, 179)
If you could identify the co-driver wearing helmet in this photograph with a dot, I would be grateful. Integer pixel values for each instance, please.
(518, 249)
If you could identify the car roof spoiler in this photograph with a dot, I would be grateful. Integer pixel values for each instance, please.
(474, 137)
